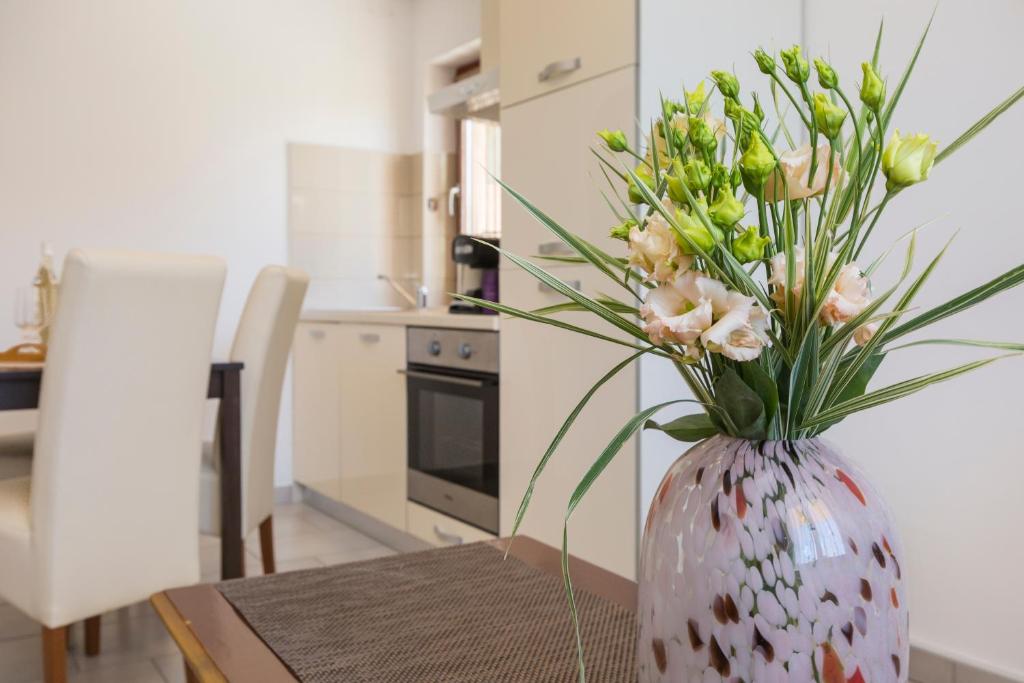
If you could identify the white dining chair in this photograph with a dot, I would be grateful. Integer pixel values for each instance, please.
(109, 514)
(262, 343)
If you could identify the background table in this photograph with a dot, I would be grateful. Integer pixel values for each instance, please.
(19, 390)
(218, 644)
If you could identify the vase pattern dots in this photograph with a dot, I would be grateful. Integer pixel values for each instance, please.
(770, 561)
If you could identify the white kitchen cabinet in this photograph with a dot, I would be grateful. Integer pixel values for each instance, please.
(440, 529)
(544, 374)
(350, 410)
(545, 45)
(547, 158)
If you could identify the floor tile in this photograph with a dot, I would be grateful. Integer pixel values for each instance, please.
(357, 555)
(139, 638)
(316, 544)
(21, 660)
(15, 624)
(136, 671)
(171, 667)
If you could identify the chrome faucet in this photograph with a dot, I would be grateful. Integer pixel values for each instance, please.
(418, 301)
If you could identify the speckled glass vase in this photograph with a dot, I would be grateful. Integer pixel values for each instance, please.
(766, 562)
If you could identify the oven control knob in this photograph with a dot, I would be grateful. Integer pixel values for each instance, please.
(465, 351)
(434, 348)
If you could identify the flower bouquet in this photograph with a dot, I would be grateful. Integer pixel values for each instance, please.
(766, 554)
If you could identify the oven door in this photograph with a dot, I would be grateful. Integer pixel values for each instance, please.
(453, 443)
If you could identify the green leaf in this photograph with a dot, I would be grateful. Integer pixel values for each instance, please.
(896, 391)
(742, 404)
(857, 386)
(802, 376)
(755, 377)
(688, 428)
(1007, 280)
(977, 343)
(980, 125)
(895, 97)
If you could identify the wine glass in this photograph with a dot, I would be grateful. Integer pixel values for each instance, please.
(29, 313)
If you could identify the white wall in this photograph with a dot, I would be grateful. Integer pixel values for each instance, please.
(947, 459)
(162, 125)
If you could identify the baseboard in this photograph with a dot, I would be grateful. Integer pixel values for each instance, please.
(927, 666)
(285, 494)
(372, 527)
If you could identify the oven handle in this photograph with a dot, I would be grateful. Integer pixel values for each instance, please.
(448, 379)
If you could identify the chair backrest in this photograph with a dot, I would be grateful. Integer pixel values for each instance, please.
(262, 343)
(115, 477)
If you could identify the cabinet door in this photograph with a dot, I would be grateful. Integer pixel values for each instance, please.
(545, 46)
(316, 386)
(371, 417)
(439, 529)
(544, 374)
(546, 157)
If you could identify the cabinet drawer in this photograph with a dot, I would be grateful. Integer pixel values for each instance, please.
(438, 529)
(546, 46)
(547, 158)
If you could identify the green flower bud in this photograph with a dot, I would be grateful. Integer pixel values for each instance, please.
(621, 232)
(828, 117)
(797, 67)
(756, 164)
(728, 85)
(765, 62)
(750, 245)
(721, 176)
(726, 210)
(701, 136)
(695, 99)
(907, 161)
(615, 139)
(691, 226)
(758, 111)
(736, 179)
(872, 90)
(827, 77)
(697, 175)
(644, 174)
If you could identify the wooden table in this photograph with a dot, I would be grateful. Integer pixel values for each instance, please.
(218, 644)
(19, 390)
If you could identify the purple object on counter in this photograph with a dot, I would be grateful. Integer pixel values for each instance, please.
(489, 285)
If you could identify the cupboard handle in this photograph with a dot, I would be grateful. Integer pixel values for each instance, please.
(559, 68)
(454, 539)
(369, 337)
(555, 249)
(317, 334)
(545, 288)
(447, 379)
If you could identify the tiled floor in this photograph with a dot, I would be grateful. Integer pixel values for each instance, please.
(135, 646)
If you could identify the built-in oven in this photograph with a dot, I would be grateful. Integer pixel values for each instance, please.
(452, 383)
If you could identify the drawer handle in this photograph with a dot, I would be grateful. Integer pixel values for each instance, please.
(559, 68)
(453, 539)
(317, 334)
(555, 249)
(369, 337)
(545, 288)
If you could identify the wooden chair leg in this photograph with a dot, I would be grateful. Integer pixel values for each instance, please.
(92, 636)
(267, 544)
(190, 676)
(55, 656)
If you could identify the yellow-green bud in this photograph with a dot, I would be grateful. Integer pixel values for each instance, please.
(615, 139)
(872, 90)
(726, 210)
(828, 117)
(721, 176)
(758, 111)
(701, 136)
(728, 85)
(756, 164)
(621, 231)
(695, 99)
(691, 226)
(907, 161)
(697, 175)
(749, 246)
(827, 77)
(644, 174)
(797, 67)
(765, 62)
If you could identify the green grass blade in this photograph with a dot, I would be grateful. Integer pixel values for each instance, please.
(976, 343)
(980, 125)
(895, 96)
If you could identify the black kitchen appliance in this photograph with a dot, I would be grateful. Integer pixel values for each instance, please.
(452, 394)
(476, 272)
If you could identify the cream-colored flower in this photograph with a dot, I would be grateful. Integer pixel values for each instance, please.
(740, 332)
(864, 333)
(778, 276)
(795, 167)
(670, 315)
(656, 251)
(848, 297)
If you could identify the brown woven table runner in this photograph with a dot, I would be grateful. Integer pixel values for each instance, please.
(452, 614)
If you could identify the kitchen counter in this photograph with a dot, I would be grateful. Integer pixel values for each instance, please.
(426, 317)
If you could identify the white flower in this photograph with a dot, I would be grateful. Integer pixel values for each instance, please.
(848, 298)
(795, 166)
(671, 315)
(778, 276)
(740, 333)
(864, 333)
(655, 249)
